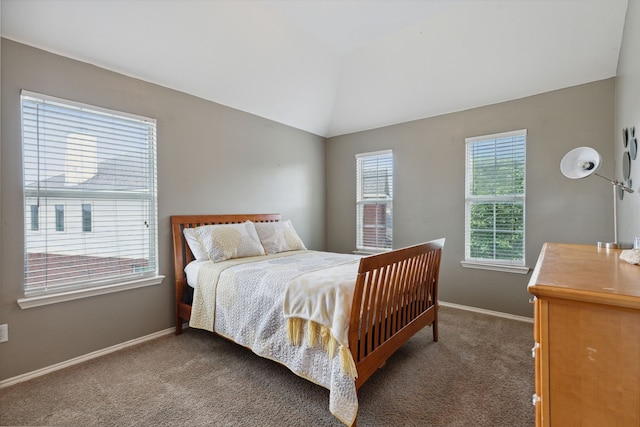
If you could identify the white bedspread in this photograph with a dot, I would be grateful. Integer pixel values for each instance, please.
(248, 309)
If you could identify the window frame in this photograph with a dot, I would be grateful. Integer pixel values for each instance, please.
(362, 201)
(85, 228)
(114, 281)
(515, 198)
(35, 217)
(59, 215)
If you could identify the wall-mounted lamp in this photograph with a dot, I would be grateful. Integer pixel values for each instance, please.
(582, 162)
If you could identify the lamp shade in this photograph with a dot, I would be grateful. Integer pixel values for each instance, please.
(580, 162)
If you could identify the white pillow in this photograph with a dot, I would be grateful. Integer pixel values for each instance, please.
(220, 242)
(278, 237)
(198, 250)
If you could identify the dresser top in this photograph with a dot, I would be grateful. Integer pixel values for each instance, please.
(586, 273)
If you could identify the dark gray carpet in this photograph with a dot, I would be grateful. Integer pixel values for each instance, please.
(480, 373)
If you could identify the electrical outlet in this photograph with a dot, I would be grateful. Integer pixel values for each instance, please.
(4, 333)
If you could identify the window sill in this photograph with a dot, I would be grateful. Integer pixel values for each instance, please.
(40, 300)
(370, 252)
(495, 267)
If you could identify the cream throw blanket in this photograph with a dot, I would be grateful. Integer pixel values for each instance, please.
(321, 300)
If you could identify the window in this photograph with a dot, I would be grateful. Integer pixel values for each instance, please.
(374, 204)
(35, 218)
(495, 201)
(86, 217)
(59, 217)
(100, 167)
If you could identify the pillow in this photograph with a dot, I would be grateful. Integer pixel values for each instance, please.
(193, 240)
(220, 242)
(278, 237)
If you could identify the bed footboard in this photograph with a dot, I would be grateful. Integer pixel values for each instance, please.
(395, 296)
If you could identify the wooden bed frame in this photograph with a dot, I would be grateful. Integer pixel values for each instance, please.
(395, 294)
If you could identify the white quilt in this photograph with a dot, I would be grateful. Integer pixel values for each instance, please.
(248, 309)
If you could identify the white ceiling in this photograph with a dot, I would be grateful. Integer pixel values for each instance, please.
(332, 67)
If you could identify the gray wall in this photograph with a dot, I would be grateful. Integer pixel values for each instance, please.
(1, 222)
(211, 159)
(627, 115)
(429, 187)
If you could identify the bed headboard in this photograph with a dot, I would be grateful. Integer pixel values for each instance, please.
(182, 255)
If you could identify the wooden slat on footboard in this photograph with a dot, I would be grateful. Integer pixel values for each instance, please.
(395, 297)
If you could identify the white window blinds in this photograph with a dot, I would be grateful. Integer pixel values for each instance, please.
(495, 198)
(374, 204)
(89, 195)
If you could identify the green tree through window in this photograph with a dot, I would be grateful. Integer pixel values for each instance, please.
(495, 198)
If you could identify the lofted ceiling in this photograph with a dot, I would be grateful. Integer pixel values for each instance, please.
(332, 67)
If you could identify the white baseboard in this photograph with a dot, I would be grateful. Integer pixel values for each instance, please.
(489, 312)
(37, 373)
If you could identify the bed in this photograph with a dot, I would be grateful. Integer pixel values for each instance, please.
(389, 297)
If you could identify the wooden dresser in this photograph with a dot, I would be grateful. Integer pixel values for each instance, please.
(587, 337)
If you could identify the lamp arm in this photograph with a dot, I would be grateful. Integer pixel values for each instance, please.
(615, 183)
